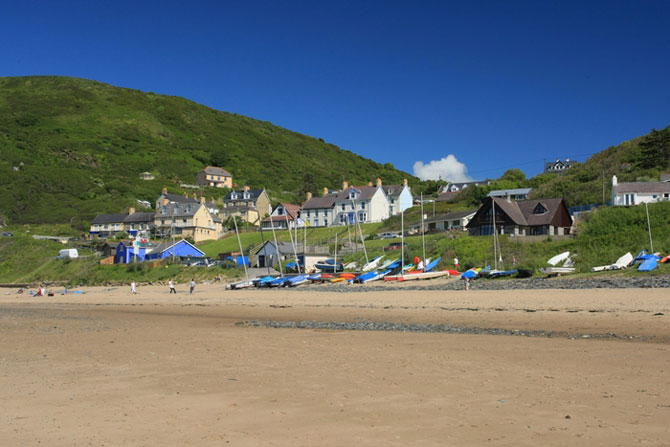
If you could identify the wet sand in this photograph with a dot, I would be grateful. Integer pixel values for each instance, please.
(109, 368)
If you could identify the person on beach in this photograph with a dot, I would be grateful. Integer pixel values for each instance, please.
(171, 285)
(466, 281)
(192, 284)
(455, 263)
(133, 288)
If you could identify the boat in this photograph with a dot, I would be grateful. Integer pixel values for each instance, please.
(347, 275)
(296, 281)
(471, 274)
(329, 265)
(621, 263)
(241, 285)
(351, 266)
(555, 260)
(664, 259)
(372, 264)
(262, 282)
(422, 275)
(315, 277)
(649, 264)
(502, 273)
(367, 277)
(557, 271)
(277, 282)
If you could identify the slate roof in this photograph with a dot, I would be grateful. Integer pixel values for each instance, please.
(139, 217)
(284, 248)
(510, 192)
(320, 202)
(641, 187)
(291, 209)
(364, 193)
(521, 212)
(109, 218)
(178, 210)
(253, 194)
(393, 190)
(163, 246)
(178, 198)
(215, 170)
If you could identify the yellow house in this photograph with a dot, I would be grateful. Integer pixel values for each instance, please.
(215, 177)
(173, 219)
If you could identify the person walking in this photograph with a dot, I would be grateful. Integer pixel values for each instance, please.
(466, 280)
(133, 287)
(192, 284)
(455, 263)
(171, 285)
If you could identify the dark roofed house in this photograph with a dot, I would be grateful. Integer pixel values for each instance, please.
(558, 166)
(214, 176)
(250, 205)
(106, 225)
(319, 211)
(399, 197)
(522, 218)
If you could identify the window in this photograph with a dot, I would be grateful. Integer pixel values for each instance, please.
(362, 216)
(316, 222)
(233, 196)
(175, 209)
(188, 208)
(247, 195)
(280, 211)
(163, 209)
(183, 220)
(539, 209)
(308, 213)
(343, 205)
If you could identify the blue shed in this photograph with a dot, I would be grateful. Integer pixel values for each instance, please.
(125, 253)
(181, 249)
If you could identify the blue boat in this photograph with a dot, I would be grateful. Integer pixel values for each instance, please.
(295, 281)
(432, 265)
(649, 264)
(329, 266)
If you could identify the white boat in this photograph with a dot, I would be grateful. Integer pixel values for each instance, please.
(372, 264)
(421, 275)
(621, 263)
(557, 271)
(558, 258)
(241, 285)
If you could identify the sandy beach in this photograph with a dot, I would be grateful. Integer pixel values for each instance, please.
(106, 367)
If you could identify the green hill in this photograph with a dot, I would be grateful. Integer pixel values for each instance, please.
(72, 148)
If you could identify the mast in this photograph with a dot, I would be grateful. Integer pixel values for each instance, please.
(423, 234)
(295, 252)
(263, 241)
(495, 245)
(274, 235)
(402, 242)
(651, 243)
(239, 241)
(335, 265)
(360, 231)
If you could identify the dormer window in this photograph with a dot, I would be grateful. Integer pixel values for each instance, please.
(233, 196)
(539, 209)
(176, 209)
(247, 195)
(163, 209)
(352, 194)
(188, 208)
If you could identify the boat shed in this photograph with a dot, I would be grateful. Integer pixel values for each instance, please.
(181, 249)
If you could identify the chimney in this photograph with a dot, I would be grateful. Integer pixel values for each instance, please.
(309, 195)
(345, 185)
(166, 201)
(379, 182)
(567, 159)
(404, 182)
(131, 210)
(164, 191)
(211, 199)
(325, 191)
(194, 195)
(369, 183)
(185, 194)
(615, 181)
(202, 199)
(246, 188)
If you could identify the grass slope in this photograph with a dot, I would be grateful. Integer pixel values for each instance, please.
(79, 146)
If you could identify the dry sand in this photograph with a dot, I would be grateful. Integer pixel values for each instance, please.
(110, 368)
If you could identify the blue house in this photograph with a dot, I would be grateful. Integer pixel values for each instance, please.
(125, 253)
(181, 249)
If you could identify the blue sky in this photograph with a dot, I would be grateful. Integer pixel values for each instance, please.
(457, 90)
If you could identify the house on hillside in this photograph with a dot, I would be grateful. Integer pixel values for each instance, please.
(445, 222)
(285, 215)
(558, 166)
(511, 194)
(146, 176)
(635, 193)
(133, 223)
(215, 177)
(129, 251)
(460, 186)
(362, 204)
(250, 205)
(187, 219)
(522, 218)
(399, 197)
(319, 211)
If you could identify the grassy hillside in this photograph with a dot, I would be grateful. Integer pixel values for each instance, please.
(72, 148)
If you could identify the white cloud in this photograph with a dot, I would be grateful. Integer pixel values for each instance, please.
(448, 168)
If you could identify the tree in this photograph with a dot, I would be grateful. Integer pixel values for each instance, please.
(656, 149)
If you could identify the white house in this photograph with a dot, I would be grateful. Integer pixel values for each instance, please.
(511, 194)
(361, 204)
(635, 193)
(399, 197)
(319, 211)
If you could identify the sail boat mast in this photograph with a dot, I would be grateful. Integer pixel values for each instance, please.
(239, 241)
(495, 231)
